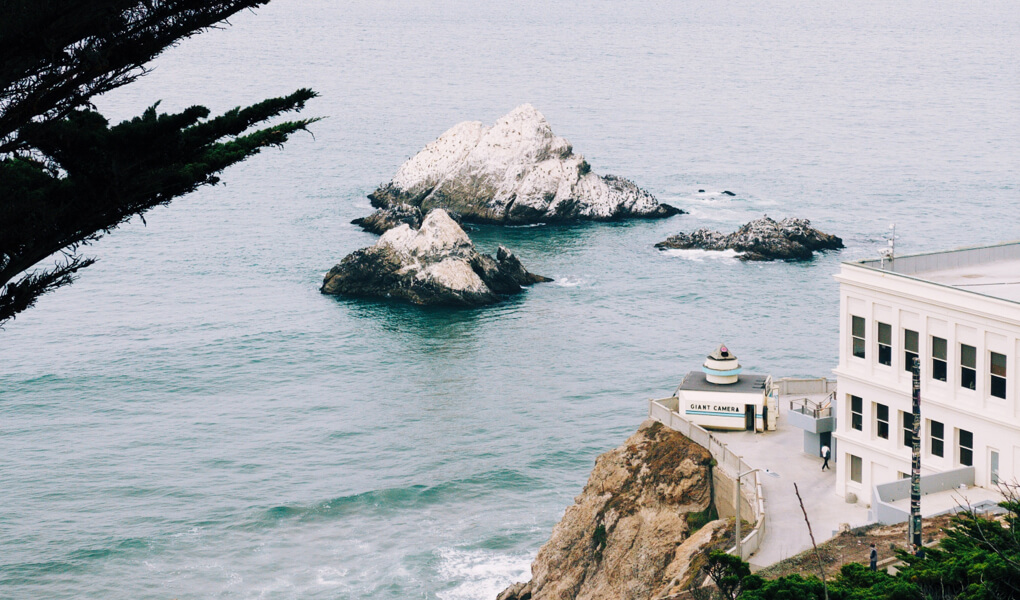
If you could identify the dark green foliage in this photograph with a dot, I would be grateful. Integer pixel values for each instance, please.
(979, 559)
(727, 572)
(66, 176)
(697, 520)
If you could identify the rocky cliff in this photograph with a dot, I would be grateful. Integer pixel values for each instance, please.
(631, 534)
(434, 264)
(761, 239)
(517, 171)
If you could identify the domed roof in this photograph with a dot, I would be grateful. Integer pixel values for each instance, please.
(722, 353)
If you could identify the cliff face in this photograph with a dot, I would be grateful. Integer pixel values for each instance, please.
(517, 171)
(628, 534)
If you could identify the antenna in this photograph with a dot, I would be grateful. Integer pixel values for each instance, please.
(890, 251)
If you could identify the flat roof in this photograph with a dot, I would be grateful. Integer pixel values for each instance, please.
(748, 383)
(987, 270)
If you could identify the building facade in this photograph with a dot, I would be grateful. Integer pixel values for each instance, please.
(959, 313)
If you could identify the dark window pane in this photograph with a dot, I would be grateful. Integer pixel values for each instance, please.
(936, 447)
(908, 436)
(883, 412)
(938, 369)
(966, 438)
(998, 364)
(968, 378)
(938, 430)
(857, 421)
(885, 334)
(998, 386)
(968, 356)
(856, 404)
(883, 430)
(858, 347)
(858, 327)
(938, 347)
(908, 360)
(910, 340)
(885, 354)
(966, 457)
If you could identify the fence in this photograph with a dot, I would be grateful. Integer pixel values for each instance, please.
(665, 412)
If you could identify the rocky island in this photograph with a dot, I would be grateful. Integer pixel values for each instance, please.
(640, 529)
(761, 239)
(515, 172)
(435, 264)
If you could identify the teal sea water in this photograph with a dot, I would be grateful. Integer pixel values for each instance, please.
(192, 419)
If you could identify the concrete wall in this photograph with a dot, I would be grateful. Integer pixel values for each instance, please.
(729, 465)
(883, 495)
(789, 386)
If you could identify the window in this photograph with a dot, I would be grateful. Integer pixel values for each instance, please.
(938, 437)
(909, 349)
(966, 447)
(856, 413)
(907, 419)
(882, 420)
(884, 344)
(993, 467)
(855, 468)
(938, 358)
(968, 366)
(857, 332)
(998, 368)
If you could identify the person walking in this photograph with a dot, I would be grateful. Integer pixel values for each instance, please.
(874, 557)
(825, 457)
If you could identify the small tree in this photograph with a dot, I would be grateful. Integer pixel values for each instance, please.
(66, 176)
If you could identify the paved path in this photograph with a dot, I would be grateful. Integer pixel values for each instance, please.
(781, 452)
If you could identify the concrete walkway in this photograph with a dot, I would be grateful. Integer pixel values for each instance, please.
(781, 452)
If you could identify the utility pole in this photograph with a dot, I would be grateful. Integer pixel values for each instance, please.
(914, 530)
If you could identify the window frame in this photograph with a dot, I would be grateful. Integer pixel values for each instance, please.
(858, 344)
(884, 348)
(965, 450)
(880, 423)
(996, 381)
(968, 372)
(941, 438)
(907, 428)
(856, 416)
(856, 465)
(908, 354)
(940, 364)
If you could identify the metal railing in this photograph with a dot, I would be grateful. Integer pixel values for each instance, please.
(665, 412)
(817, 410)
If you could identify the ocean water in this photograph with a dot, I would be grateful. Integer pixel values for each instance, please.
(192, 419)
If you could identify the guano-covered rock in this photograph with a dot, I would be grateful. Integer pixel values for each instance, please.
(432, 265)
(515, 172)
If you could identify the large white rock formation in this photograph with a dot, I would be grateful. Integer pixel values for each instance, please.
(517, 171)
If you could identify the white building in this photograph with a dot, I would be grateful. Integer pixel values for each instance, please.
(721, 397)
(959, 311)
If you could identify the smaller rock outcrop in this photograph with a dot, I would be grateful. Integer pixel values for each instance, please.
(433, 265)
(629, 534)
(761, 239)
